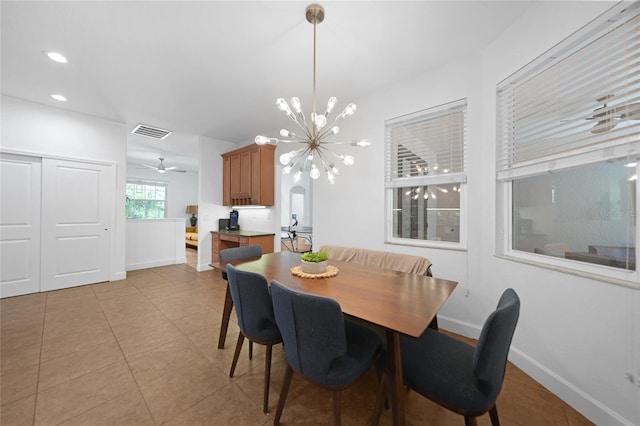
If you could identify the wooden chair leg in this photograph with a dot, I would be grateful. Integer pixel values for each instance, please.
(380, 399)
(470, 421)
(267, 378)
(236, 355)
(336, 408)
(226, 314)
(493, 413)
(288, 375)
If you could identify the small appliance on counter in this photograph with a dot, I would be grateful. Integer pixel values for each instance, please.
(233, 221)
(230, 224)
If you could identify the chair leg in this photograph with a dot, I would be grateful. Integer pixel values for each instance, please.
(493, 413)
(250, 350)
(288, 375)
(336, 408)
(380, 399)
(470, 421)
(236, 355)
(267, 378)
(226, 314)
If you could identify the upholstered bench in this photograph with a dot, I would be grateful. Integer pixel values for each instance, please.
(383, 259)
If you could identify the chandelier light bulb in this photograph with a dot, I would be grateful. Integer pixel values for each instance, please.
(320, 121)
(285, 159)
(282, 105)
(334, 169)
(314, 173)
(297, 106)
(348, 160)
(350, 110)
(287, 169)
(297, 176)
(330, 177)
(363, 142)
(286, 133)
(330, 104)
(334, 130)
(262, 140)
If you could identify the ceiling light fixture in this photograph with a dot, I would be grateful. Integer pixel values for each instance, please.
(55, 56)
(59, 97)
(315, 131)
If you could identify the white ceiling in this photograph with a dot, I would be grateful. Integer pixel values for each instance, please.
(215, 68)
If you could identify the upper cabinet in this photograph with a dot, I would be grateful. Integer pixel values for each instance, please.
(248, 176)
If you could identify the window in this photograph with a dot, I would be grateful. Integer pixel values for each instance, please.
(568, 148)
(425, 173)
(146, 199)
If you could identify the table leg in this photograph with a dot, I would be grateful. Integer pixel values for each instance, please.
(395, 377)
(226, 314)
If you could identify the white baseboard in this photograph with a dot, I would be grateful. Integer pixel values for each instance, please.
(155, 263)
(582, 402)
(122, 275)
(203, 267)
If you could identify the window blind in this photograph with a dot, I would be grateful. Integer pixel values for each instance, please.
(427, 147)
(577, 103)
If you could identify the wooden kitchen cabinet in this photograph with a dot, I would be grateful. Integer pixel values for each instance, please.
(248, 176)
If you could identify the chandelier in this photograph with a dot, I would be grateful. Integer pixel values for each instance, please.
(315, 154)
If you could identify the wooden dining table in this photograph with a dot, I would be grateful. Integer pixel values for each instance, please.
(399, 302)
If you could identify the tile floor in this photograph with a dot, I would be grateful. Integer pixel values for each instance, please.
(143, 351)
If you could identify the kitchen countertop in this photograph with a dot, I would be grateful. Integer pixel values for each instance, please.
(243, 233)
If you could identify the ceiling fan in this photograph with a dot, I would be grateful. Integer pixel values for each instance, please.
(161, 168)
(608, 117)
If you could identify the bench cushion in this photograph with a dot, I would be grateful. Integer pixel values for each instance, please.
(382, 259)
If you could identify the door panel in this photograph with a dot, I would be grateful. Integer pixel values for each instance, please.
(19, 225)
(75, 219)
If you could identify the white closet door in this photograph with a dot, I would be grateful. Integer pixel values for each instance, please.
(76, 203)
(19, 225)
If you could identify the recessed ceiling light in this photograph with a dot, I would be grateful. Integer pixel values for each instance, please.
(55, 56)
(58, 97)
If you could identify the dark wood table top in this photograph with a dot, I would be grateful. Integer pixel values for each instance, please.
(401, 302)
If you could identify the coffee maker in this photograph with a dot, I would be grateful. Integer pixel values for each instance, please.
(233, 221)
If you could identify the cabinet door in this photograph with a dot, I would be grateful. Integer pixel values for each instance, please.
(226, 181)
(255, 176)
(245, 174)
(235, 167)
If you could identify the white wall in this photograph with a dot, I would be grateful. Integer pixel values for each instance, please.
(573, 334)
(39, 130)
(154, 242)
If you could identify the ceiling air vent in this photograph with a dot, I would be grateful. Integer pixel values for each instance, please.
(151, 132)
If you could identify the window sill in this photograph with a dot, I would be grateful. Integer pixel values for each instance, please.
(586, 271)
(426, 244)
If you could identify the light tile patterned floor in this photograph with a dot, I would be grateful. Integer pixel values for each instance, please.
(143, 351)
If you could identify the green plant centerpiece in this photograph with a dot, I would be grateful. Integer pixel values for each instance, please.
(314, 263)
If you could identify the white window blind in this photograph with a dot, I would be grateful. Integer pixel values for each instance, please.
(427, 147)
(577, 103)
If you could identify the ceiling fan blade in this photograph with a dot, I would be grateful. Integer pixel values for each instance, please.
(629, 112)
(603, 126)
(149, 167)
(170, 168)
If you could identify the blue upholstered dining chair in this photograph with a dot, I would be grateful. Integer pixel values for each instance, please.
(227, 255)
(458, 376)
(251, 297)
(320, 344)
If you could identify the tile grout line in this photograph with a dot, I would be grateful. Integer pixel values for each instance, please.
(135, 380)
(44, 318)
